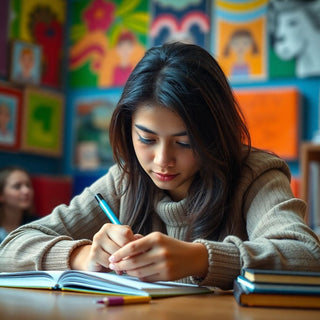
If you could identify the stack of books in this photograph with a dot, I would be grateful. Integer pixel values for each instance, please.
(275, 288)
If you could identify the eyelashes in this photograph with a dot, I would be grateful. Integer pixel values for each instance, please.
(184, 145)
(152, 141)
(144, 140)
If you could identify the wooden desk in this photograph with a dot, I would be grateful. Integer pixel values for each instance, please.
(39, 305)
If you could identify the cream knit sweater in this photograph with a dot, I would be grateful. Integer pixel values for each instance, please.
(270, 230)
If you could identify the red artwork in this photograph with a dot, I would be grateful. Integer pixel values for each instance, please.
(99, 15)
(48, 32)
(49, 36)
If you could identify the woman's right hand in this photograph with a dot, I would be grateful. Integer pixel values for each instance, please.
(106, 241)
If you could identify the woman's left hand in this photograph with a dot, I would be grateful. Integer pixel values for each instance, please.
(158, 257)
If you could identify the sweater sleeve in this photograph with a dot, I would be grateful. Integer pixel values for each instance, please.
(46, 244)
(277, 236)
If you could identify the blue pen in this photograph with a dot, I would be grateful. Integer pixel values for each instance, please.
(106, 209)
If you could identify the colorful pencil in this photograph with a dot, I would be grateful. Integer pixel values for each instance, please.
(120, 300)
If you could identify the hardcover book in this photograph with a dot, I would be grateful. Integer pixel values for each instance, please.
(282, 276)
(262, 287)
(251, 299)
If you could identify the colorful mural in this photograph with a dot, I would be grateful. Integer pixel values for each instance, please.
(108, 38)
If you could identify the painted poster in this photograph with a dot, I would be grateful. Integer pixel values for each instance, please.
(185, 20)
(294, 36)
(10, 117)
(264, 110)
(240, 38)
(42, 22)
(92, 114)
(108, 38)
(25, 63)
(43, 122)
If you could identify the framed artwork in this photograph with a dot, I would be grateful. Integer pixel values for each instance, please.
(10, 117)
(25, 62)
(90, 138)
(43, 122)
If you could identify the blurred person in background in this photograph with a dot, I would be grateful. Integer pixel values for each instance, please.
(16, 199)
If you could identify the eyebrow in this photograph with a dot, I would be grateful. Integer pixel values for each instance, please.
(178, 134)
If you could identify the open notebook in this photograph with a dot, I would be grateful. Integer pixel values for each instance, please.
(97, 282)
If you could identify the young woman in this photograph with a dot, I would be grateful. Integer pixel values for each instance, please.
(16, 199)
(196, 202)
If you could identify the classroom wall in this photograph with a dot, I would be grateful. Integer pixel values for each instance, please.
(91, 86)
(37, 110)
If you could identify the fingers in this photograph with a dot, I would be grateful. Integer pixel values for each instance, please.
(147, 266)
(139, 265)
(159, 257)
(112, 237)
(98, 257)
(142, 244)
(120, 235)
(109, 239)
(138, 236)
(130, 262)
(141, 258)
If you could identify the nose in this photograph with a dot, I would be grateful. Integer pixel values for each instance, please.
(164, 156)
(26, 189)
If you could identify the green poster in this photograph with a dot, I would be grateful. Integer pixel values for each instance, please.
(43, 122)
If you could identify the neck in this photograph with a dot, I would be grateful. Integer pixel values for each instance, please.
(11, 220)
(308, 63)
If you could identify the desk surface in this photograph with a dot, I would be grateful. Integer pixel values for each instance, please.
(41, 304)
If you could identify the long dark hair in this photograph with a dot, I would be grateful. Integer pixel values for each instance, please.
(186, 79)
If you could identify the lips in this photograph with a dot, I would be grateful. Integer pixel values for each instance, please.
(165, 177)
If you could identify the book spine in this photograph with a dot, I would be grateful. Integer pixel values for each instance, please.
(238, 290)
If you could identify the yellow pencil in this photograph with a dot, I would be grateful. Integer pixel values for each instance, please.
(120, 300)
